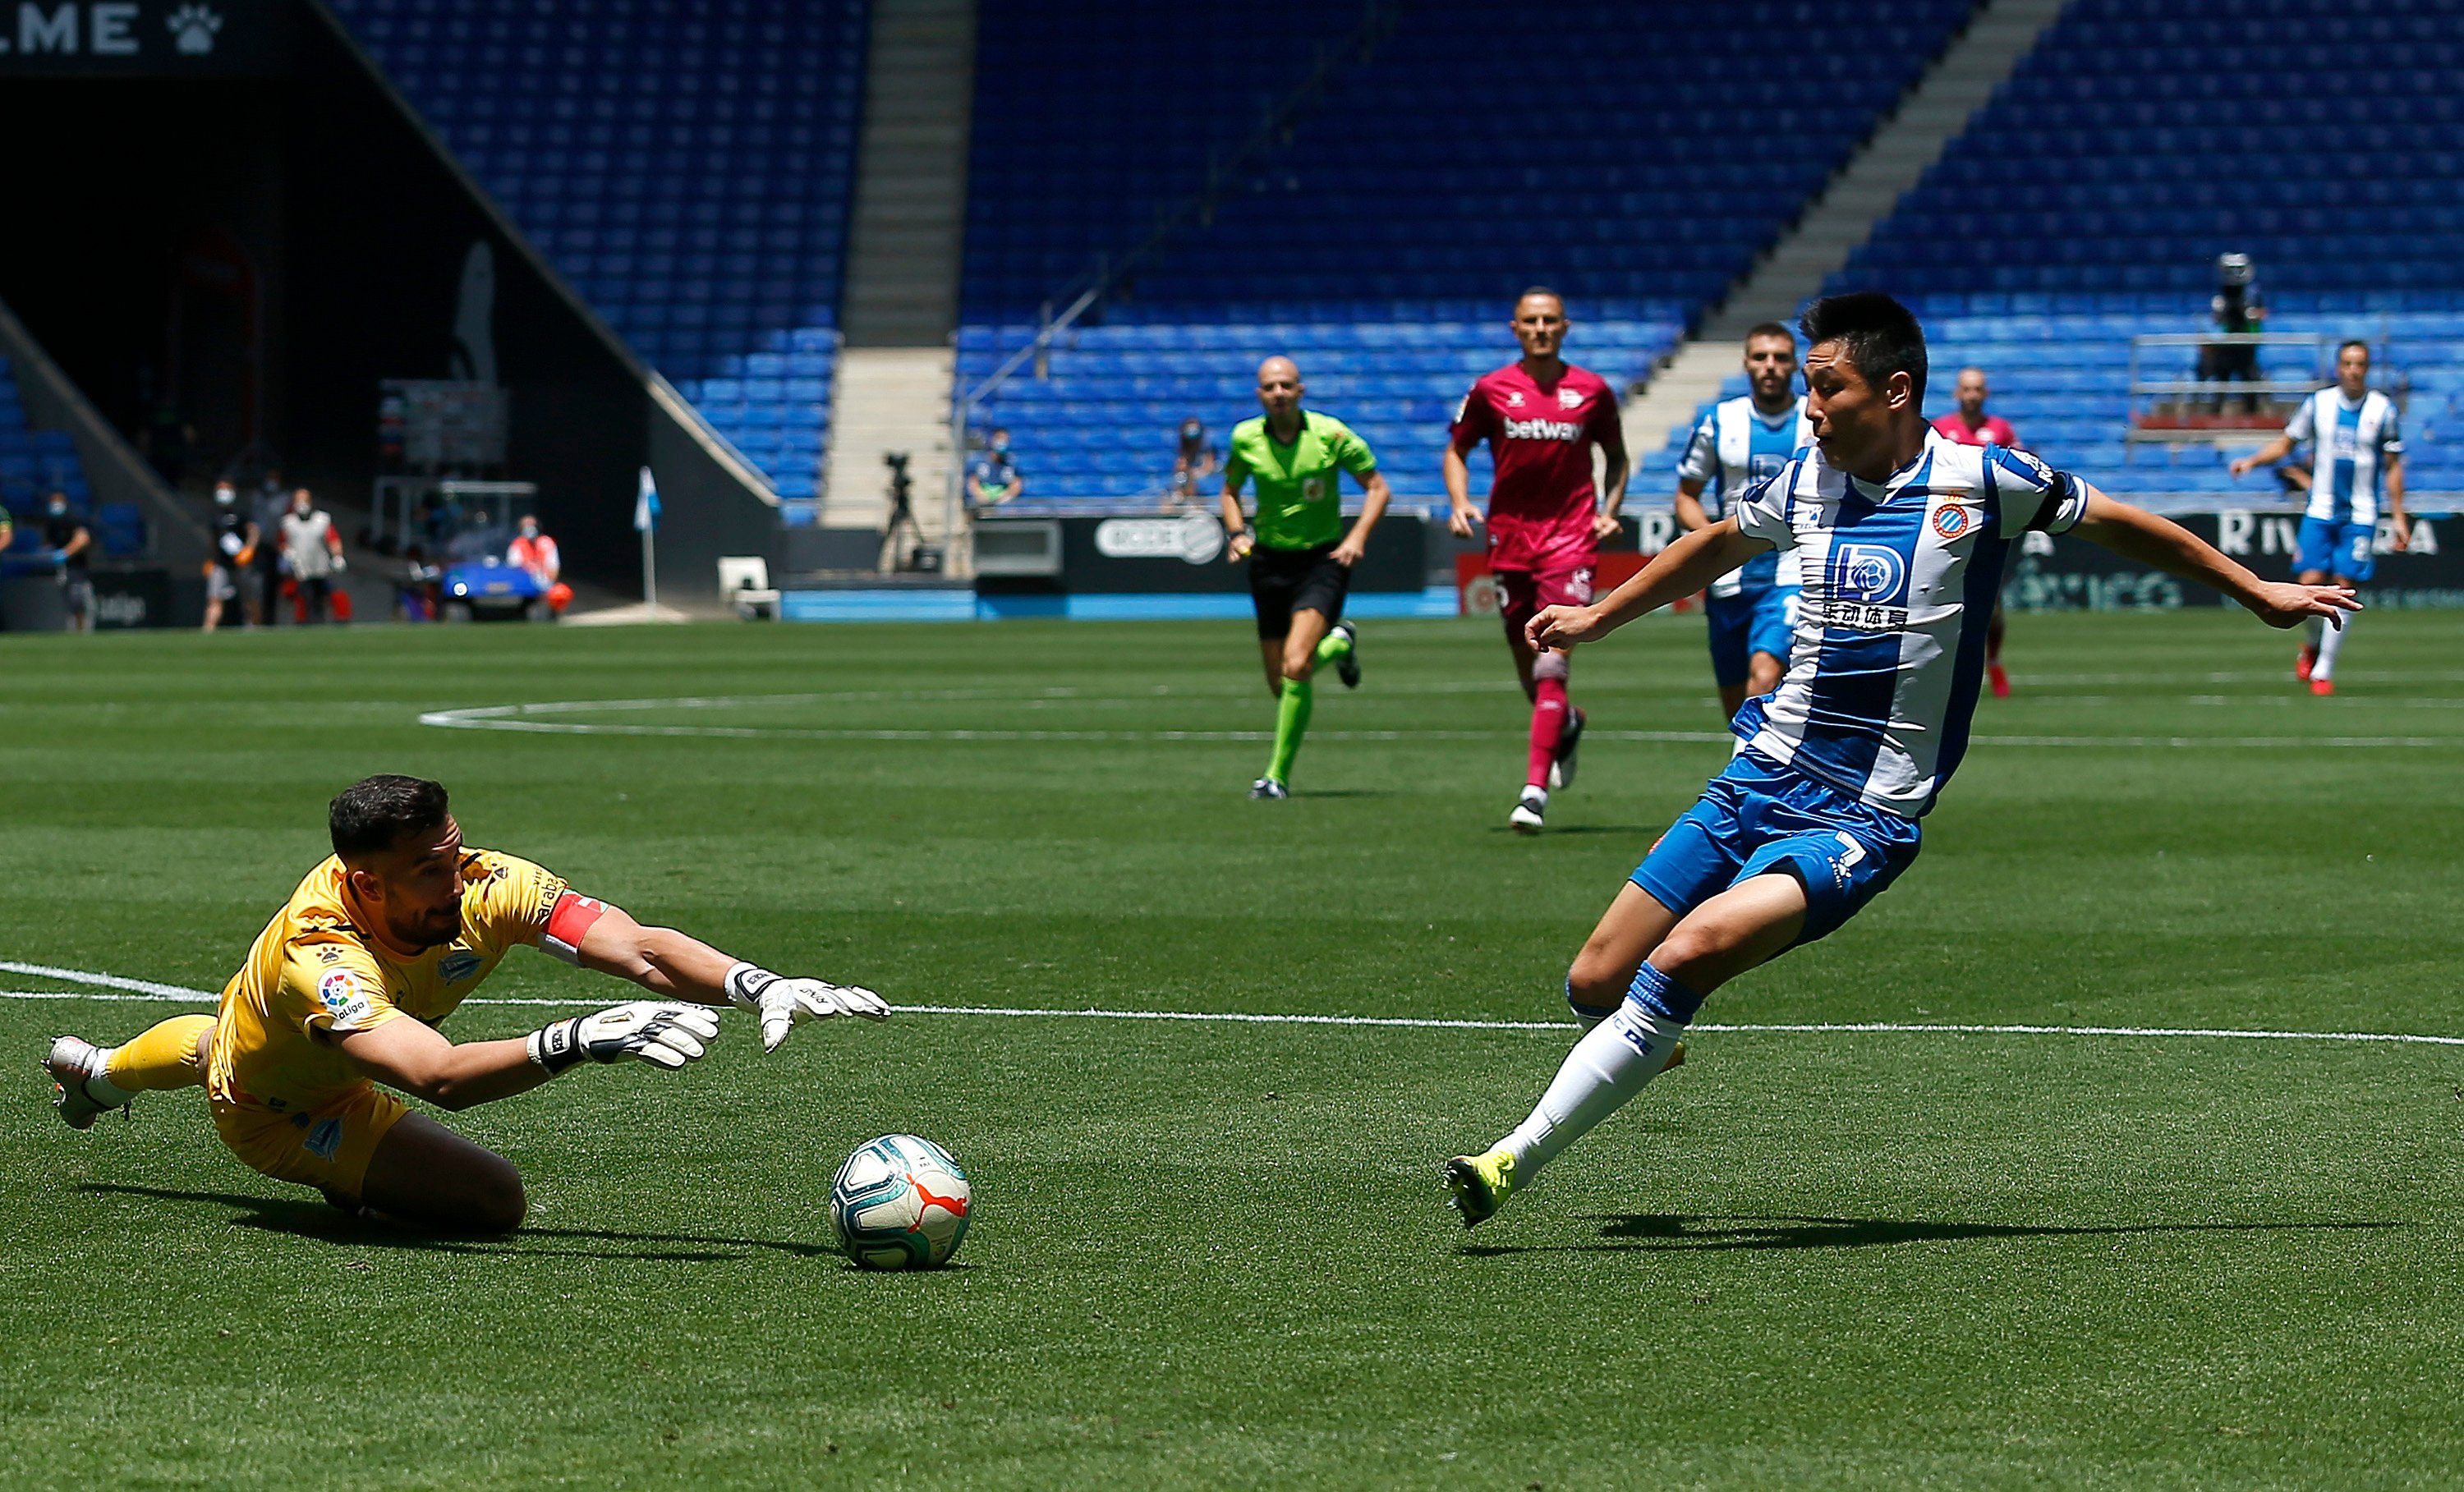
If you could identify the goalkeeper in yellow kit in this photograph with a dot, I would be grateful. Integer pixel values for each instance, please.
(405, 920)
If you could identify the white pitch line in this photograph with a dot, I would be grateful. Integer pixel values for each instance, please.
(504, 717)
(146, 989)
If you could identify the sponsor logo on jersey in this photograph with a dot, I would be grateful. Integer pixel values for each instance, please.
(458, 965)
(324, 1139)
(1950, 521)
(1543, 430)
(1867, 572)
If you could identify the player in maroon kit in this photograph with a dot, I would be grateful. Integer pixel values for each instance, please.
(1541, 416)
(1971, 425)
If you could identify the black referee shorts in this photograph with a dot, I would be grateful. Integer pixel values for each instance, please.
(1285, 581)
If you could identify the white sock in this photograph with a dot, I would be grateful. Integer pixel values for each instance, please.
(2313, 630)
(101, 1090)
(2328, 647)
(1609, 1065)
(1540, 793)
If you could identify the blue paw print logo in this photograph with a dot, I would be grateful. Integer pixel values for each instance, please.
(192, 29)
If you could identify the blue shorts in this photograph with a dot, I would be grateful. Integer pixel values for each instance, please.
(2333, 548)
(1754, 621)
(1759, 815)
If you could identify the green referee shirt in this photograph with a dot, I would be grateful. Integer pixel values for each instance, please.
(1300, 500)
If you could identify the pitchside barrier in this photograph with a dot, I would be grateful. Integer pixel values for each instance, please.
(2065, 573)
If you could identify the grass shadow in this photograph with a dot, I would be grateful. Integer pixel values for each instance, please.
(325, 1223)
(1629, 1233)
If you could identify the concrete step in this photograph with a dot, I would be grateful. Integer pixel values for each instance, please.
(1844, 216)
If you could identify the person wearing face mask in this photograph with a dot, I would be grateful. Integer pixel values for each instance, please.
(1192, 464)
(313, 553)
(994, 480)
(536, 552)
(235, 551)
(72, 546)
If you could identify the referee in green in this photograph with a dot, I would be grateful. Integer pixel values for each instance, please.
(1300, 557)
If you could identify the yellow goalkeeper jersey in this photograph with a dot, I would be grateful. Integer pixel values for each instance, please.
(313, 967)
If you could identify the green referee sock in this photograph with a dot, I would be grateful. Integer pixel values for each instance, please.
(1333, 646)
(1291, 721)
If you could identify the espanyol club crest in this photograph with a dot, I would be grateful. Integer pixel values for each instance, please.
(1569, 399)
(1950, 521)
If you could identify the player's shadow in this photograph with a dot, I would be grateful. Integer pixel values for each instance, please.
(1620, 830)
(302, 1218)
(1631, 1233)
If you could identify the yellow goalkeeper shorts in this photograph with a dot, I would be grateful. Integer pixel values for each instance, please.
(328, 1148)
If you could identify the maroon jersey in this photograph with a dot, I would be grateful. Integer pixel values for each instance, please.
(1541, 504)
(1995, 431)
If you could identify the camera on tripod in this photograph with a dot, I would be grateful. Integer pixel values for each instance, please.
(921, 557)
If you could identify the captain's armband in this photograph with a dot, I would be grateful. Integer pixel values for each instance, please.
(568, 923)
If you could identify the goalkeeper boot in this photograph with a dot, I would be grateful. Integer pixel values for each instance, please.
(1561, 767)
(1530, 811)
(1268, 787)
(1477, 1186)
(73, 1064)
(1346, 664)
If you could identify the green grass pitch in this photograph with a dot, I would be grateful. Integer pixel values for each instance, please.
(1215, 1255)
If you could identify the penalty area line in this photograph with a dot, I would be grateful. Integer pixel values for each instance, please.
(118, 987)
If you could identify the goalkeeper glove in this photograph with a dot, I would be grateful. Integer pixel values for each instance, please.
(784, 1003)
(656, 1032)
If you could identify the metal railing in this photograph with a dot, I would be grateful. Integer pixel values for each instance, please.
(1097, 281)
(2182, 393)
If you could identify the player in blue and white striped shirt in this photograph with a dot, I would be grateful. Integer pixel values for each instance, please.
(1901, 538)
(1742, 440)
(2359, 459)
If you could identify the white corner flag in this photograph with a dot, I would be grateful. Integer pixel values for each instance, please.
(646, 505)
(646, 520)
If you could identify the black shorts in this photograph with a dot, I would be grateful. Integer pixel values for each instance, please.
(1285, 581)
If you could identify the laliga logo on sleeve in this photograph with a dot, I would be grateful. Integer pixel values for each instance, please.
(337, 989)
(1868, 572)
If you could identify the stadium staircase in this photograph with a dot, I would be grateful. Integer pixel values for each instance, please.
(2086, 205)
(903, 266)
(686, 169)
(1859, 197)
(1383, 230)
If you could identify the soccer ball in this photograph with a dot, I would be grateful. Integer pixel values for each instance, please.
(900, 1202)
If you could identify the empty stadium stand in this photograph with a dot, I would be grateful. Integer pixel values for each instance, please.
(686, 169)
(34, 464)
(2086, 203)
(1638, 167)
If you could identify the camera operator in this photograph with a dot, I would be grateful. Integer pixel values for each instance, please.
(2236, 307)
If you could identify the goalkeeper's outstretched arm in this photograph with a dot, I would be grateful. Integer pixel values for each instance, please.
(675, 966)
(416, 1058)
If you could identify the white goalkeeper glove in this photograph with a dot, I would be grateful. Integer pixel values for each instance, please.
(655, 1031)
(782, 1002)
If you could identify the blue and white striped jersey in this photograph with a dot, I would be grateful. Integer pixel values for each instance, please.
(1735, 447)
(2354, 440)
(1899, 582)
